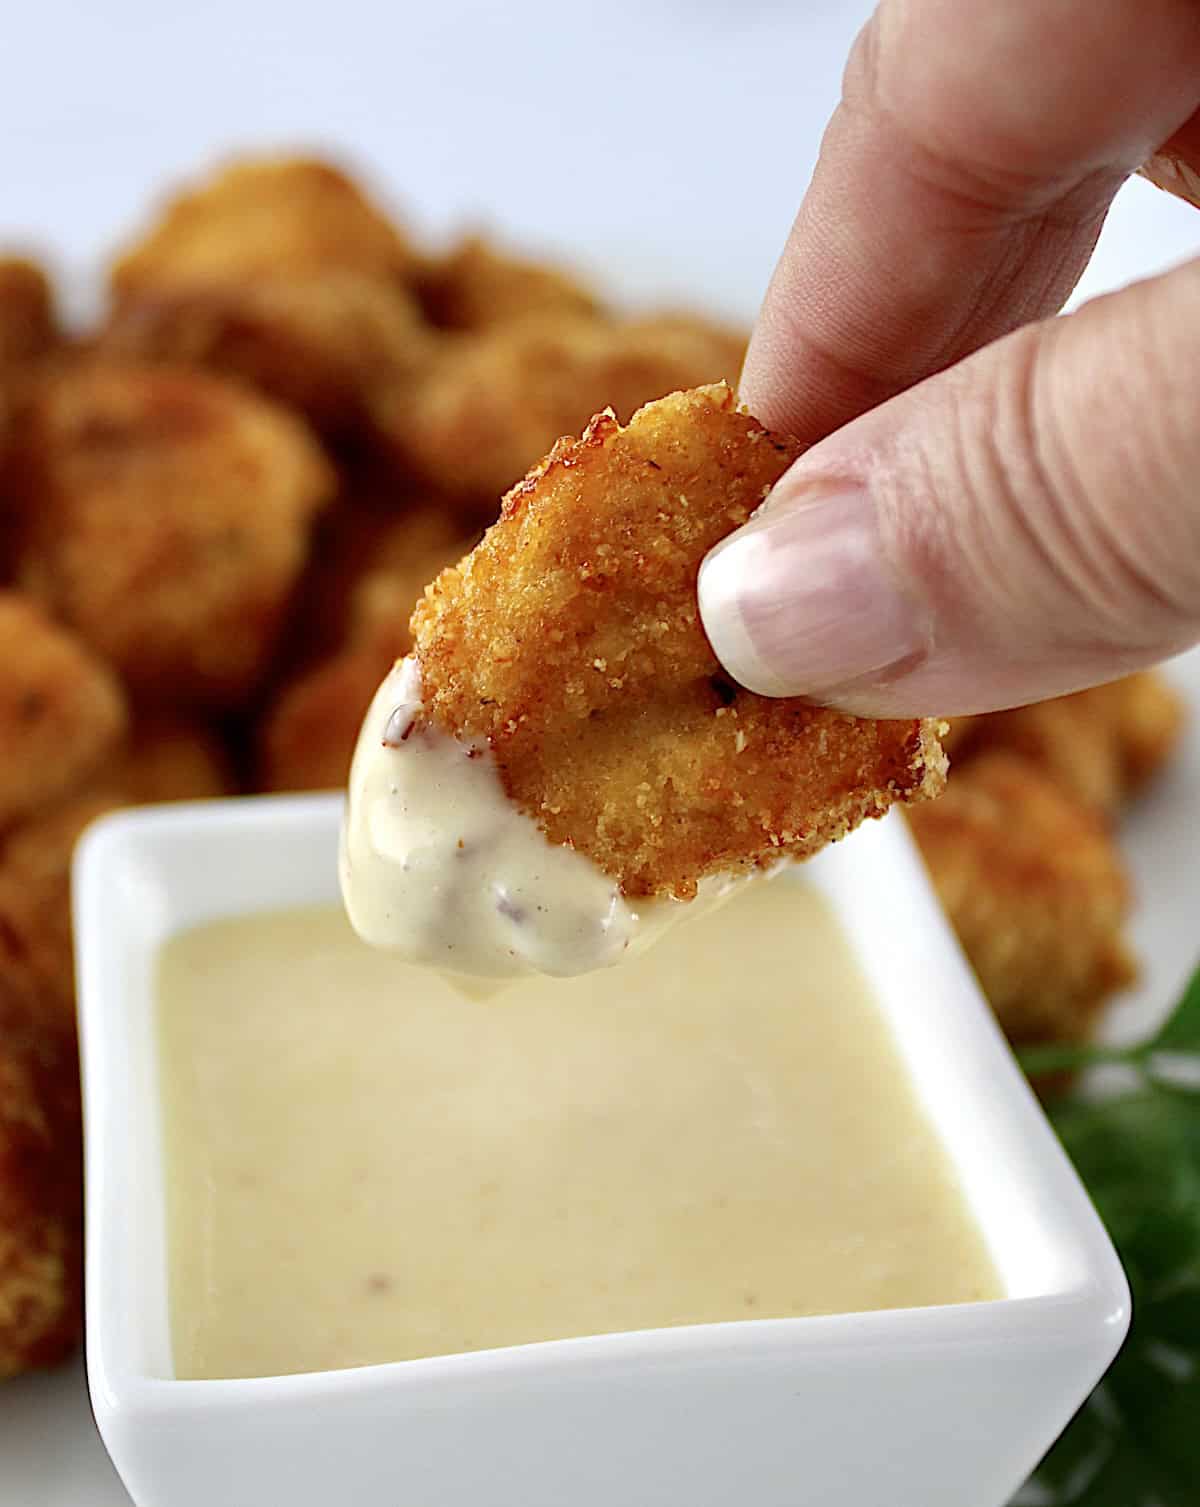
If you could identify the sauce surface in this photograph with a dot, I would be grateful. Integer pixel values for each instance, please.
(364, 1165)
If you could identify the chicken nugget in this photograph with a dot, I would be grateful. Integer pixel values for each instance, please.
(170, 759)
(307, 736)
(41, 1193)
(321, 343)
(1034, 886)
(477, 286)
(168, 521)
(269, 217)
(570, 642)
(1101, 744)
(28, 327)
(495, 402)
(35, 900)
(62, 710)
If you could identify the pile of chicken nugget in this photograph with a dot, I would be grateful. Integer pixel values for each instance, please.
(217, 509)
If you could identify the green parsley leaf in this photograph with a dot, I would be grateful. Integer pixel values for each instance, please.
(1136, 1441)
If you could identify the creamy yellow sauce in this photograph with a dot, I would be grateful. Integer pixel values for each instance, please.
(440, 867)
(364, 1165)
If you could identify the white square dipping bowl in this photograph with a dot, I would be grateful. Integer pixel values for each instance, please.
(933, 1407)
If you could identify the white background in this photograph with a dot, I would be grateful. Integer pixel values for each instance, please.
(665, 143)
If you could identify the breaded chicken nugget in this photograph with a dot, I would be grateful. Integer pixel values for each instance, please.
(570, 640)
(1101, 744)
(41, 1212)
(1033, 885)
(27, 324)
(307, 735)
(477, 286)
(267, 217)
(62, 710)
(35, 899)
(170, 759)
(322, 343)
(168, 520)
(495, 402)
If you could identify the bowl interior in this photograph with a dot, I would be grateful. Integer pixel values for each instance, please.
(142, 876)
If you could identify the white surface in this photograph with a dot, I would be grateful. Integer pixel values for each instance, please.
(945, 1404)
(671, 148)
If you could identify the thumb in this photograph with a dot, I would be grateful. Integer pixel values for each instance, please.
(1024, 524)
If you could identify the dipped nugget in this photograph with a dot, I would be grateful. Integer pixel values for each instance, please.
(563, 747)
(62, 710)
(267, 217)
(495, 402)
(167, 522)
(1034, 886)
(476, 286)
(41, 1202)
(322, 343)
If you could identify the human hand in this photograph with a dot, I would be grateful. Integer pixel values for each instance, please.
(1012, 508)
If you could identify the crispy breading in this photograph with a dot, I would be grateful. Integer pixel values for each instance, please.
(265, 217)
(170, 759)
(168, 514)
(35, 899)
(476, 286)
(1033, 884)
(322, 343)
(28, 328)
(1102, 744)
(62, 710)
(570, 640)
(41, 1201)
(307, 734)
(493, 403)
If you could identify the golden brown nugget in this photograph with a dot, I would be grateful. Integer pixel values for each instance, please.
(35, 899)
(28, 328)
(477, 286)
(267, 217)
(570, 641)
(169, 515)
(170, 759)
(1101, 744)
(62, 710)
(495, 402)
(1034, 886)
(322, 344)
(41, 1193)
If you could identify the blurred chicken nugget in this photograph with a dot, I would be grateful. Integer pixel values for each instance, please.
(168, 522)
(1033, 885)
(41, 1214)
(265, 217)
(320, 343)
(477, 286)
(28, 328)
(1101, 744)
(62, 710)
(494, 403)
(570, 640)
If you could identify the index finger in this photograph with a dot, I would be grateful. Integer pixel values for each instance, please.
(960, 188)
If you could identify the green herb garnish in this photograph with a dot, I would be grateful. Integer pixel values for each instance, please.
(1136, 1441)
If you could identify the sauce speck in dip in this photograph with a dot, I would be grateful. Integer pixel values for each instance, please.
(439, 865)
